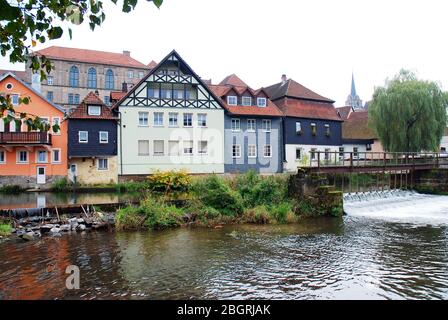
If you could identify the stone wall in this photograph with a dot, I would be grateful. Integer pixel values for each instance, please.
(28, 182)
(87, 172)
(431, 181)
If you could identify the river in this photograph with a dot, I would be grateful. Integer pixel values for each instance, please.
(361, 256)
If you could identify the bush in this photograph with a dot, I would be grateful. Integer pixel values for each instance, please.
(259, 214)
(159, 215)
(283, 212)
(129, 218)
(12, 189)
(61, 185)
(214, 192)
(169, 180)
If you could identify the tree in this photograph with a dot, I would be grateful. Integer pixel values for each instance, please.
(24, 23)
(408, 114)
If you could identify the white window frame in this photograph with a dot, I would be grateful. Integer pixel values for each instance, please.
(87, 137)
(147, 119)
(230, 98)
(50, 80)
(156, 116)
(264, 125)
(184, 148)
(199, 147)
(154, 148)
(235, 120)
(98, 164)
(184, 117)
(107, 136)
(90, 108)
(53, 123)
(18, 157)
(254, 146)
(130, 74)
(173, 115)
(236, 151)
(138, 148)
(37, 156)
(141, 74)
(270, 151)
(12, 99)
(52, 155)
(3, 152)
(254, 126)
(245, 98)
(199, 120)
(262, 105)
(170, 142)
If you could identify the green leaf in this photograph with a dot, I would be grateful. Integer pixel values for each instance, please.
(158, 3)
(55, 128)
(7, 12)
(55, 33)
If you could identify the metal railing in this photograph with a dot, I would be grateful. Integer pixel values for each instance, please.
(25, 138)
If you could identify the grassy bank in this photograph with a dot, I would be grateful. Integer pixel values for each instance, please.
(5, 227)
(246, 198)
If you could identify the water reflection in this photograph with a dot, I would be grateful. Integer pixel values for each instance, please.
(353, 258)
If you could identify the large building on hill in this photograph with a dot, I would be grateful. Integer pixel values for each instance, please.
(253, 128)
(170, 120)
(79, 71)
(310, 123)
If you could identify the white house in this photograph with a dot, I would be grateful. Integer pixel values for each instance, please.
(170, 120)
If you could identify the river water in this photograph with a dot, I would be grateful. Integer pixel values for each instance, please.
(387, 255)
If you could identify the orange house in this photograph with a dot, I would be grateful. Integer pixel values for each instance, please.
(31, 159)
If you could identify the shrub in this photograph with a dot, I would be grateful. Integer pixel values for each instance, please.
(5, 227)
(214, 192)
(12, 189)
(129, 218)
(259, 214)
(169, 180)
(61, 185)
(159, 215)
(282, 212)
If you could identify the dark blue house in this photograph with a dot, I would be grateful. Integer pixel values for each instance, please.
(92, 142)
(310, 123)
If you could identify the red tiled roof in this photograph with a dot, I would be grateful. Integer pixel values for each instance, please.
(233, 80)
(91, 56)
(270, 110)
(356, 126)
(20, 74)
(81, 112)
(117, 95)
(152, 64)
(293, 89)
(344, 111)
(307, 109)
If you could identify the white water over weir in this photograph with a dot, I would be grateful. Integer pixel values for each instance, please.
(398, 206)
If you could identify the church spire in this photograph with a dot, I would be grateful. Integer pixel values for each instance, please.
(353, 91)
(353, 99)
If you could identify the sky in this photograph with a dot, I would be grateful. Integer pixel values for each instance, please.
(318, 43)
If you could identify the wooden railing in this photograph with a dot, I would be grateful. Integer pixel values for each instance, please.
(25, 138)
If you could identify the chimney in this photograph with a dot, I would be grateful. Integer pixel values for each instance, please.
(124, 87)
(127, 53)
(283, 78)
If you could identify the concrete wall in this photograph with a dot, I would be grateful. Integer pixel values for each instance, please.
(292, 163)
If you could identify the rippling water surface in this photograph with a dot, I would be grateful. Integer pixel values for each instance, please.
(356, 257)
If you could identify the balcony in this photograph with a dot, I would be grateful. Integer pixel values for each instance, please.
(25, 138)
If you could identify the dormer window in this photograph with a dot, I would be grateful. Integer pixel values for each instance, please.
(261, 102)
(94, 110)
(246, 101)
(232, 100)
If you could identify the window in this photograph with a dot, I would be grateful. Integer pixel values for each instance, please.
(202, 120)
(327, 129)
(235, 124)
(102, 164)
(252, 151)
(41, 156)
(153, 90)
(143, 147)
(159, 147)
(143, 118)
(76, 98)
(202, 147)
(107, 100)
(298, 128)
(313, 153)
(57, 121)
(104, 137)
(236, 151)
(172, 119)
(9, 86)
(141, 74)
(442, 150)
(91, 78)
(232, 100)
(313, 129)
(355, 152)
(83, 136)
(130, 74)
(56, 155)
(50, 80)
(246, 101)
(251, 125)
(165, 91)
(73, 79)
(2, 157)
(327, 154)
(178, 94)
(158, 119)
(266, 125)
(368, 147)
(261, 102)
(188, 147)
(341, 153)
(50, 95)
(94, 110)
(188, 119)
(71, 99)
(109, 79)
(267, 152)
(173, 148)
(15, 99)
(22, 156)
(298, 153)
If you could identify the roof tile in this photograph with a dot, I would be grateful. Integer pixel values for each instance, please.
(81, 112)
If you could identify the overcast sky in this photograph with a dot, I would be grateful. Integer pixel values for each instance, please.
(317, 43)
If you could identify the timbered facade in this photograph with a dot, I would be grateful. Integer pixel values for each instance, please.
(170, 120)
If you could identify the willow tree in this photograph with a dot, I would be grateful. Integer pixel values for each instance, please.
(408, 114)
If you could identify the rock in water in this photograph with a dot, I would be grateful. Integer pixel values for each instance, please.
(80, 220)
(32, 235)
(46, 228)
(65, 227)
(81, 227)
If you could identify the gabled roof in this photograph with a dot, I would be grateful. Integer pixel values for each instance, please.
(10, 74)
(293, 89)
(356, 126)
(81, 111)
(117, 95)
(308, 109)
(233, 80)
(90, 56)
(344, 111)
(153, 70)
(152, 64)
(19, 74)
